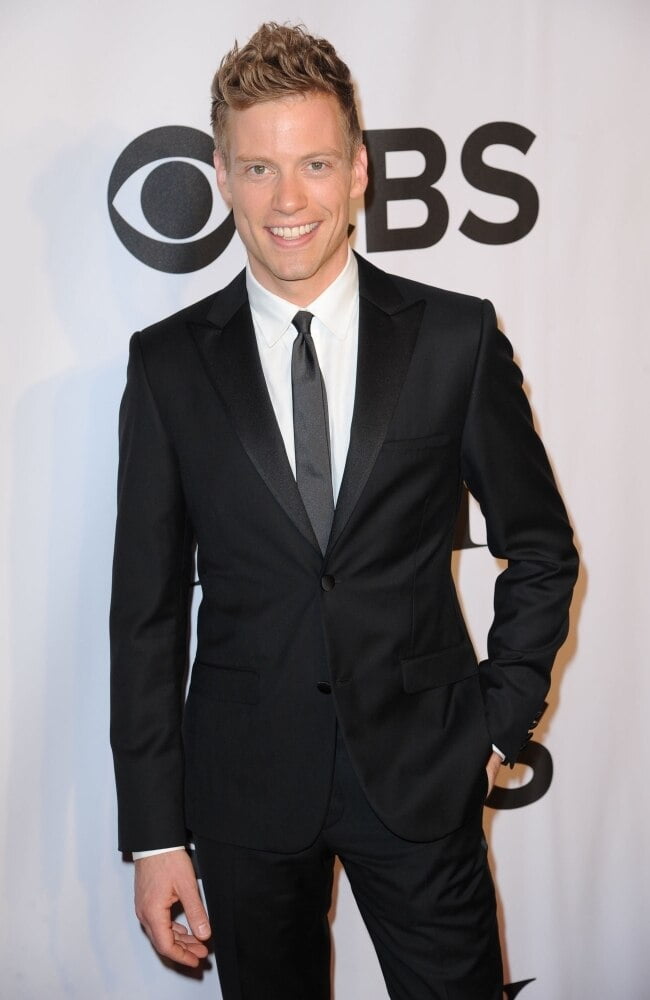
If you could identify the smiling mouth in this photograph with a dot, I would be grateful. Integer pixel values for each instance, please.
(293, 232)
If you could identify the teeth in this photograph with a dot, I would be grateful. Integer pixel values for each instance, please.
(292, 232)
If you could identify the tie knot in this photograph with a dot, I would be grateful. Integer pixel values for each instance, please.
(302, 322)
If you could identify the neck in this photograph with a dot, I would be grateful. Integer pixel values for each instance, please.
(301, 291)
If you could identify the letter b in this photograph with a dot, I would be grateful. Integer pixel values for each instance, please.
(382, 189)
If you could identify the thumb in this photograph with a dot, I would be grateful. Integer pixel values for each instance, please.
(194, 910)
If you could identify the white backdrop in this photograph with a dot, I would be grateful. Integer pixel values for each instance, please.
(80, 81)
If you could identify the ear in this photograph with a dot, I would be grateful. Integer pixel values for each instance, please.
(222, 178)
(359, 172)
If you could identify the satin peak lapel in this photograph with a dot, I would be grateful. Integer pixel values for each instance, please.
(232, 361)
(388, 330)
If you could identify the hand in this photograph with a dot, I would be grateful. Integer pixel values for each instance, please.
(492, 769)
(160, 881)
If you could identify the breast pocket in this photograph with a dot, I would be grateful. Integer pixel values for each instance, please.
(417, 443)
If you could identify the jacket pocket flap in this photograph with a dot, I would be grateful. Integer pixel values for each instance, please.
(438, 669)
(226, 683)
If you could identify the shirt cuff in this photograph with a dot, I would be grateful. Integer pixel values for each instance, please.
(496, 750)
(160, 850)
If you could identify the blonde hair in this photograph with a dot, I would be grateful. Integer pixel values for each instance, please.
(278, 61)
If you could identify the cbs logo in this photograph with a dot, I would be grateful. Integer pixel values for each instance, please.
(181, 229)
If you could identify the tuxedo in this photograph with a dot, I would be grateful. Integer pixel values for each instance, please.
(292, 643)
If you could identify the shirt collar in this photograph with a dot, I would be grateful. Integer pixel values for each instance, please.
(333, 307)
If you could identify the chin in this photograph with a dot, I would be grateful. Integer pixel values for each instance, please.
(297, 271)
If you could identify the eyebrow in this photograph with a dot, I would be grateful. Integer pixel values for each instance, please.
(322, 154)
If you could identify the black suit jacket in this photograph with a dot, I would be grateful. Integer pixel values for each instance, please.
(248, 759)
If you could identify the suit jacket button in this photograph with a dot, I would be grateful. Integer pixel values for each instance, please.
(328, 582)
(324, 687)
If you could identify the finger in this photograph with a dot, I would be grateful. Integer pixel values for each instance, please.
(189, 942)
(194, 910)
(165, 937)
(171, 946)
(159, 932)
(194, 947)
(184, 937)
(190, 956)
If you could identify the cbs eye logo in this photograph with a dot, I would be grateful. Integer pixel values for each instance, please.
(175, 204)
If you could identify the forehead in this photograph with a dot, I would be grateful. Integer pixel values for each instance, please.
(296, 124)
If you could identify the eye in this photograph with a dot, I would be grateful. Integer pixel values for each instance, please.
(317, 166)
(257, 169)
(160, 186)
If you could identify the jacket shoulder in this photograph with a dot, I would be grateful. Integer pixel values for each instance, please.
(459, 301)
(197, 312)
(164, 343)
(213, 310)
(396, 292)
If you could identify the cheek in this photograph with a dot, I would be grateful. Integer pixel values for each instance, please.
(255, 205)
(244, 210)
(337, 201)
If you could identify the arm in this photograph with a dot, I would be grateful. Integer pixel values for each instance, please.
(506, 469)
(152, 573)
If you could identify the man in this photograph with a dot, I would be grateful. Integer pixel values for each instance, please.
(310, 428)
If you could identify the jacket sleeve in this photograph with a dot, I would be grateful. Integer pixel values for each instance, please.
(505, 467)
(152, 574)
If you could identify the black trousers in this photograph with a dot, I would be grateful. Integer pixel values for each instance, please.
(429, 908)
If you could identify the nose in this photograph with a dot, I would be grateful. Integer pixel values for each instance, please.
(289, 195)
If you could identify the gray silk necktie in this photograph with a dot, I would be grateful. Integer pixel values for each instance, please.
(311, 431)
